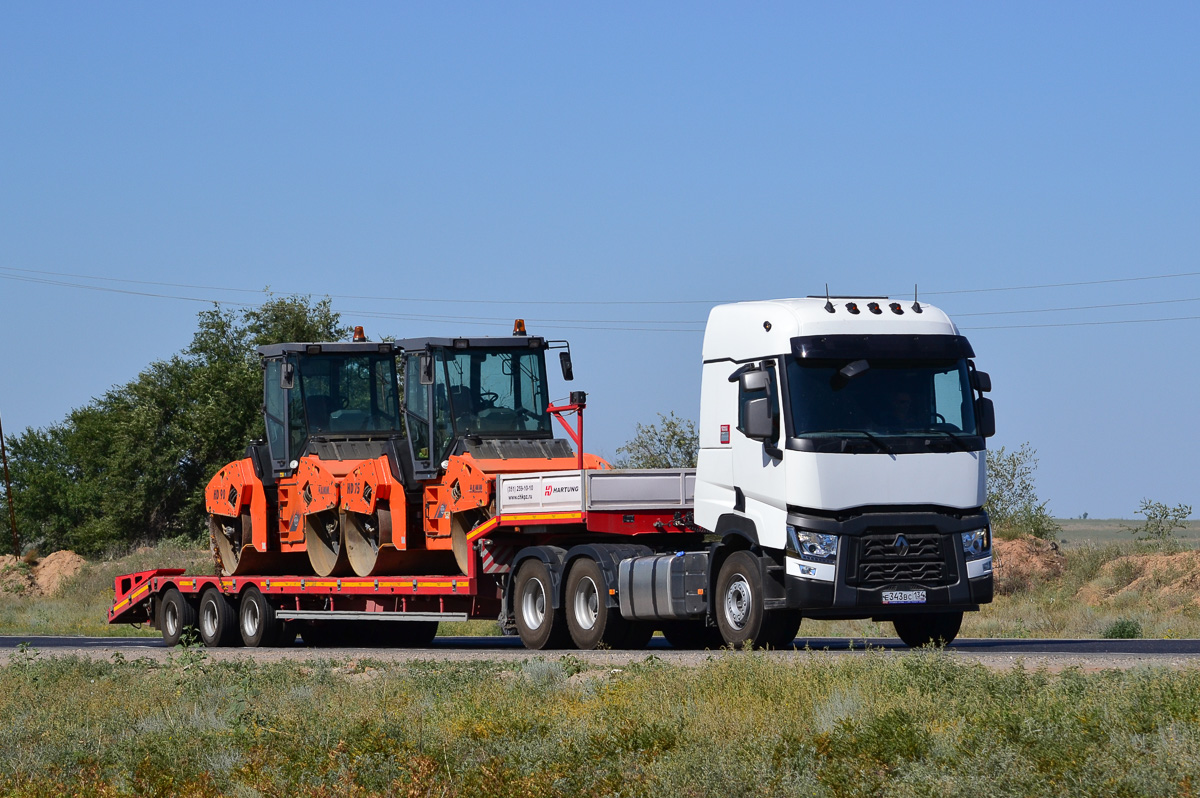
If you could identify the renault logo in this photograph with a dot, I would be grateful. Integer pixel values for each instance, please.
(901, 545)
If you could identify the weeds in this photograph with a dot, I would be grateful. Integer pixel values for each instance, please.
(918, 724)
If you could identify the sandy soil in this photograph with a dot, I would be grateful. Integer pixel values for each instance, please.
(41, 578)
(1017, 563)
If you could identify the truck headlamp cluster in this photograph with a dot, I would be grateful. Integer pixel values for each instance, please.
(977, 543)
(815, 546)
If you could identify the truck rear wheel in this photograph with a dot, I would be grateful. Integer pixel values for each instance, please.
(256, 620)
(740, 613)
(218, 620)
(538, 623)
(175, 617)
(931, 629)
(591, 621)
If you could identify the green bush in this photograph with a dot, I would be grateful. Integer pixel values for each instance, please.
(1160, 522)
(1012, 503)
(1123, 629)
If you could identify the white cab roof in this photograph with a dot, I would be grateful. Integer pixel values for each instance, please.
(738, 331)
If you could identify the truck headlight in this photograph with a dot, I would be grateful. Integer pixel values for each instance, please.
(977, 543)
(816, 546)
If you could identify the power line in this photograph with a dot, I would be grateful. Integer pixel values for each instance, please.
(1061, 285)
(591, 324)
(1081, 323)
(1078, 307)
(359, 296)
(566, 324)
(710, 302)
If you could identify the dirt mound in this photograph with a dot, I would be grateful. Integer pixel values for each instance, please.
(55, 569)
(1169, 579)
(16, 576)
(40, 579)
(1017, 563)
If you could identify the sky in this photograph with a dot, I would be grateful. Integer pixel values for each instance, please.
(609, 172)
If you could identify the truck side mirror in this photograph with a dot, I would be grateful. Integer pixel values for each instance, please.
(986, 412)
(757, 421)
(287, 375)
(564, 359)
(751, 381)
(426, 370)
(981, 381)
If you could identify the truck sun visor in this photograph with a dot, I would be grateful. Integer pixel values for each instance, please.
(837, 347)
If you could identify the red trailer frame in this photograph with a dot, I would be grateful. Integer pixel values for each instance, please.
(477, 594)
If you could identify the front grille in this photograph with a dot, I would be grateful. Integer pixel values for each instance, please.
(882, 563)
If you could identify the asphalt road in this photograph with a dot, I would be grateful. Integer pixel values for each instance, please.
(1000, 653)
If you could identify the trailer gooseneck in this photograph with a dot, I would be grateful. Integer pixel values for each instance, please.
(840, 475)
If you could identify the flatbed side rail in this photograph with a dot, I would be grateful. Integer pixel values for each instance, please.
(131, 595)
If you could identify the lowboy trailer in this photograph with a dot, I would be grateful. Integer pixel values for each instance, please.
(841, 475)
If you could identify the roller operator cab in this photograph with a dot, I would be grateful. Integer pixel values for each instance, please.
(842, 444)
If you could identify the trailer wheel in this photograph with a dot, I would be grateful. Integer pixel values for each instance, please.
(589, 618)
(692, 635)
(218, 619)
(539, 624)
(176, 616)
(257, 621)
(933, 629)
(740, 614)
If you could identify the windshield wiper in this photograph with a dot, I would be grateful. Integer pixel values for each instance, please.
(957, 440)
(871, 436)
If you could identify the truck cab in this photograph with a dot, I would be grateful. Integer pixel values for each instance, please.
(844, 439)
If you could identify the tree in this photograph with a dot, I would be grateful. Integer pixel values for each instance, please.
(1012, 502)
(673, 443)
(1161, 521)
(132, 464)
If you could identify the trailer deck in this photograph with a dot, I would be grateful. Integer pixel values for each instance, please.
(530, 506)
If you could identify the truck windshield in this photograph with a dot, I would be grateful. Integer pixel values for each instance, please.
(493, 391)
(880, 398)
(345, 394)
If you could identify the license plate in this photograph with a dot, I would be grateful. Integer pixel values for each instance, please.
(904, 597)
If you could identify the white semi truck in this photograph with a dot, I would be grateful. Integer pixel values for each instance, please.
(840, 476)
(842, 467)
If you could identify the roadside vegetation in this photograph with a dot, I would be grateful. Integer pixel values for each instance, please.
(740, 724)
(131, 466)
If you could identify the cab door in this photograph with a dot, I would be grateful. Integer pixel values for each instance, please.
(758, 465)
(418, 388)
(277, 386)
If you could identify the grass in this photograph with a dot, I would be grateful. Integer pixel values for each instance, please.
(741, 724)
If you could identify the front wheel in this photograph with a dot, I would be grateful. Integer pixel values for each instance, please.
(932, 629)
(740, 614)
(741, 617)
(539, 624)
